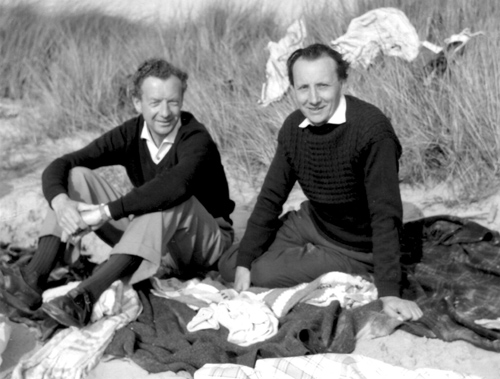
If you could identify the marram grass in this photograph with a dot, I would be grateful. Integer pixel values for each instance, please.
(70, 74)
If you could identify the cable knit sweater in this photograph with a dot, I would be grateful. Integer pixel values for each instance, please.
(192, 167)
(349, 172)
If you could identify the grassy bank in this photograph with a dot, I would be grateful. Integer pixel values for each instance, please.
(70, 74)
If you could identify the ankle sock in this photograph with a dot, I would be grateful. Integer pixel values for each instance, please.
(118, 266)
(37, 271)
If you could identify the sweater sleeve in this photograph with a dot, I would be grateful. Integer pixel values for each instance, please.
(108, 149)
(264, 220)
(172, 186)
(384, 203)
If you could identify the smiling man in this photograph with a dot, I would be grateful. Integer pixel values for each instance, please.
(176, 217)
(344, 154)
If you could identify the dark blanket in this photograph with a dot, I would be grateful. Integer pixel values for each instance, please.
(453, 268)
(159, 341)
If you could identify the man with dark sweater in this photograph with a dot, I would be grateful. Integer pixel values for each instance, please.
(176, 217)
(344, 154)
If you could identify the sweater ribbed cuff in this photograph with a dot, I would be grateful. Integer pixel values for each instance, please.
(244, 260)
(388, 289)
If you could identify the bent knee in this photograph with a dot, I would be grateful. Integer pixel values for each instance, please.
(265, 275)
(77, 174)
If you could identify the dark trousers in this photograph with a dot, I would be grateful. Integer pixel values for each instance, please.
(299, 254)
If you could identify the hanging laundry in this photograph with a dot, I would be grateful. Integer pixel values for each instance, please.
(384, 31)
(442, 56)
(276, 73)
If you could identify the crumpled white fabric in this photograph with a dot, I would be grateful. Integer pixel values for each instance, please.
(384, 31)
(247, 319)
(276, 72)
(195, 293)
(453, 43)
(459, 40)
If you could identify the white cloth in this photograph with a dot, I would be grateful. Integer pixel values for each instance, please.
(277, 82)
(323, 366)
(73, 352)
(384, 31)
(457, 41)
(195, 293)
(248, 320)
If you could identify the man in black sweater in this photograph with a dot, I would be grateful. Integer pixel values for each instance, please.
(344, 154)
(176, 216)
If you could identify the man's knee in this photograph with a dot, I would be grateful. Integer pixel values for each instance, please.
(265, 274)
(78, 174)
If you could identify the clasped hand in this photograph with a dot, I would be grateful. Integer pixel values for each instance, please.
(76, 218)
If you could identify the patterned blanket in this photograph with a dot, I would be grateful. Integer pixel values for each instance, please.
(453, 268)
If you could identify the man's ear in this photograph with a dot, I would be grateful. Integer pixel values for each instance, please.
(137, 104)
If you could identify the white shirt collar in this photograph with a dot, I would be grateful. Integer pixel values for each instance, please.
(159, 152)
(338, 117)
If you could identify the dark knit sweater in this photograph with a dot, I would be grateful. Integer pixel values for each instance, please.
(349, 172)
(192, 167)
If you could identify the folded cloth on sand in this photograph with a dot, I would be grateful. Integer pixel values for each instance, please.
(323, 366)
(73, 352)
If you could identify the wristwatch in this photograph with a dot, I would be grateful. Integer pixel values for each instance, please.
(102, 210)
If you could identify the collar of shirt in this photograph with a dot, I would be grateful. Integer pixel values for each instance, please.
(159, 152)
(338, 117)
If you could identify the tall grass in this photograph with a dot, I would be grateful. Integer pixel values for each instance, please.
(71, 72)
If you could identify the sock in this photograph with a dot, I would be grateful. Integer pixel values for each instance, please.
(118, 266)
(37, 271)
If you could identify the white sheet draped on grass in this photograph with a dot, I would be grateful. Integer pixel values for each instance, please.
(277, 82)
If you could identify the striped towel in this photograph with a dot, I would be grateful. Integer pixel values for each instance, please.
(349, 290)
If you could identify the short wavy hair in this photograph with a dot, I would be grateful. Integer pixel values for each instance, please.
(158, 68)
(313, 52)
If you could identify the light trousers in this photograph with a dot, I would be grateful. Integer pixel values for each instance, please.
(185, 238)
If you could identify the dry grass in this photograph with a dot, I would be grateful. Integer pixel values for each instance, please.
(72, 69)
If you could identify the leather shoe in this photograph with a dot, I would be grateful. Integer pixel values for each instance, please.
(72, 309)
(16, 292)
